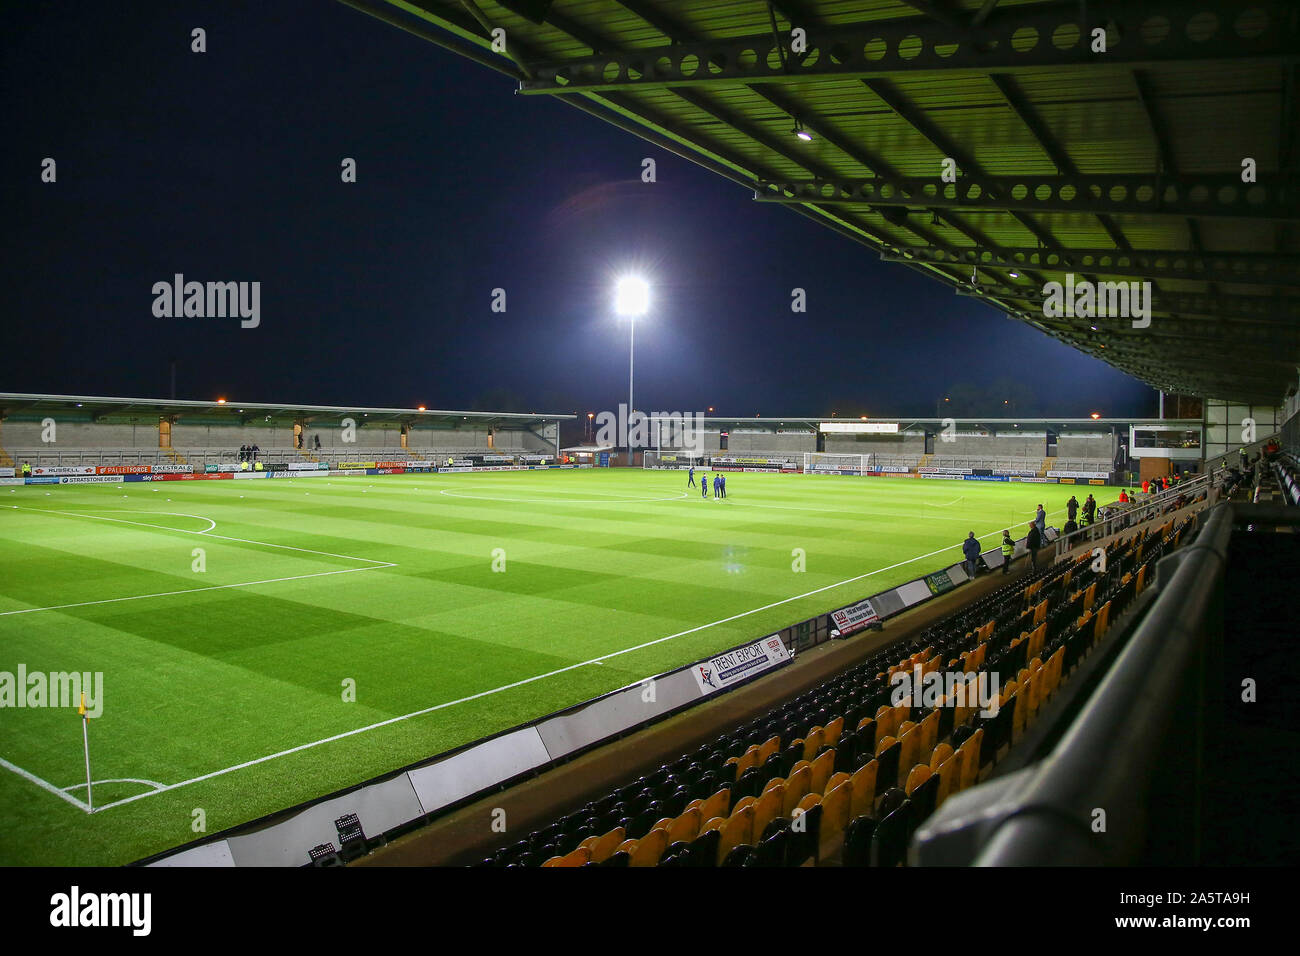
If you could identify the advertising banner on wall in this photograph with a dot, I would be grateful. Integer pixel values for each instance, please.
(847, 620)
(90, 479)
(738, 665)
(939, 582)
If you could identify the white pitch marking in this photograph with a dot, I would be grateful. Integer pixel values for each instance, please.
(526, 680)
(43, 784)
(214, 587)
(147, 783)
(377, 565)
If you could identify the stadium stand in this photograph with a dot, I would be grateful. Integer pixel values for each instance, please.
(1162, 735)
(844, 774)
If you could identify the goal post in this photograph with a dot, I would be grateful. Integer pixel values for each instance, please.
(828, 463)
(657, 459)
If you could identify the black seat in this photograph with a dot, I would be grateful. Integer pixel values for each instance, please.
(704, 848)
(889, 842)
(857, 841)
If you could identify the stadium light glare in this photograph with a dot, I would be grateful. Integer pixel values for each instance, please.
(420, 408)
(1095, 416)
(221, 401)
(800, 132)
(631, 299)
(631, 296)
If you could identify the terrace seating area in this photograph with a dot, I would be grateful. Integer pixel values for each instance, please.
(50, 456)
(845, 773)
(1083, 464)
(1286, 471)
(999, 463)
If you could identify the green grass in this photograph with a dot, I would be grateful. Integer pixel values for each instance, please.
(597, 562)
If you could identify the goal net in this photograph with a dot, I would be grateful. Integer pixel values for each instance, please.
(826, 463)
(652, 458)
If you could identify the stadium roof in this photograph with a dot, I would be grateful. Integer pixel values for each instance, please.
(101, 407)
(1125, 165)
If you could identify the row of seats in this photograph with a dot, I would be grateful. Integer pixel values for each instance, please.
(845, 773)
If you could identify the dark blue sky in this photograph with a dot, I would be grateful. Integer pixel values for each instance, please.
(225, 166)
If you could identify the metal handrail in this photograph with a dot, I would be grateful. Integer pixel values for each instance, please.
(1139, 512)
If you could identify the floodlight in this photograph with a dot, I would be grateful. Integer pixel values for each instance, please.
(631, 296)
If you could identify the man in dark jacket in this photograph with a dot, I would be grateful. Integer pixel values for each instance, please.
(1033, 541)
(1072, 508)
(971, 549)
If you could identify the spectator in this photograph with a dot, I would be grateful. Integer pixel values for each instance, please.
(1008, 552)
(1072, 508)
(1123, 497)
(256, 450)
(318, 441)
(1069, 527)
(1040, 519)
(971, 549)
(1090, 508)
(1033, 541)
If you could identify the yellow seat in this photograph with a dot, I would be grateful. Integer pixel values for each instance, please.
(736, 830)
(970, 766)
(649, 849)
(930, 739)
(837, 805)
(884, 720)
(768, 807)
(949, 778)
(836, 779)
(863, 782)
(813, 743)
(770, 747)
(578, 857)
(822, 768)
(911, 752)
(718, 805)
(685, 828)
(917, 776)
(796, 788)
(940, 753)
(603, 847)
(831, 732)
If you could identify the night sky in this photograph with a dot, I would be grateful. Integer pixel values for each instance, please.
(225, 166)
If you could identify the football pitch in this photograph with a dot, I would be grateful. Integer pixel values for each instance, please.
(263, 643)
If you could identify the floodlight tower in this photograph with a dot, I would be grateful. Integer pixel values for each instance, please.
(631, 299)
